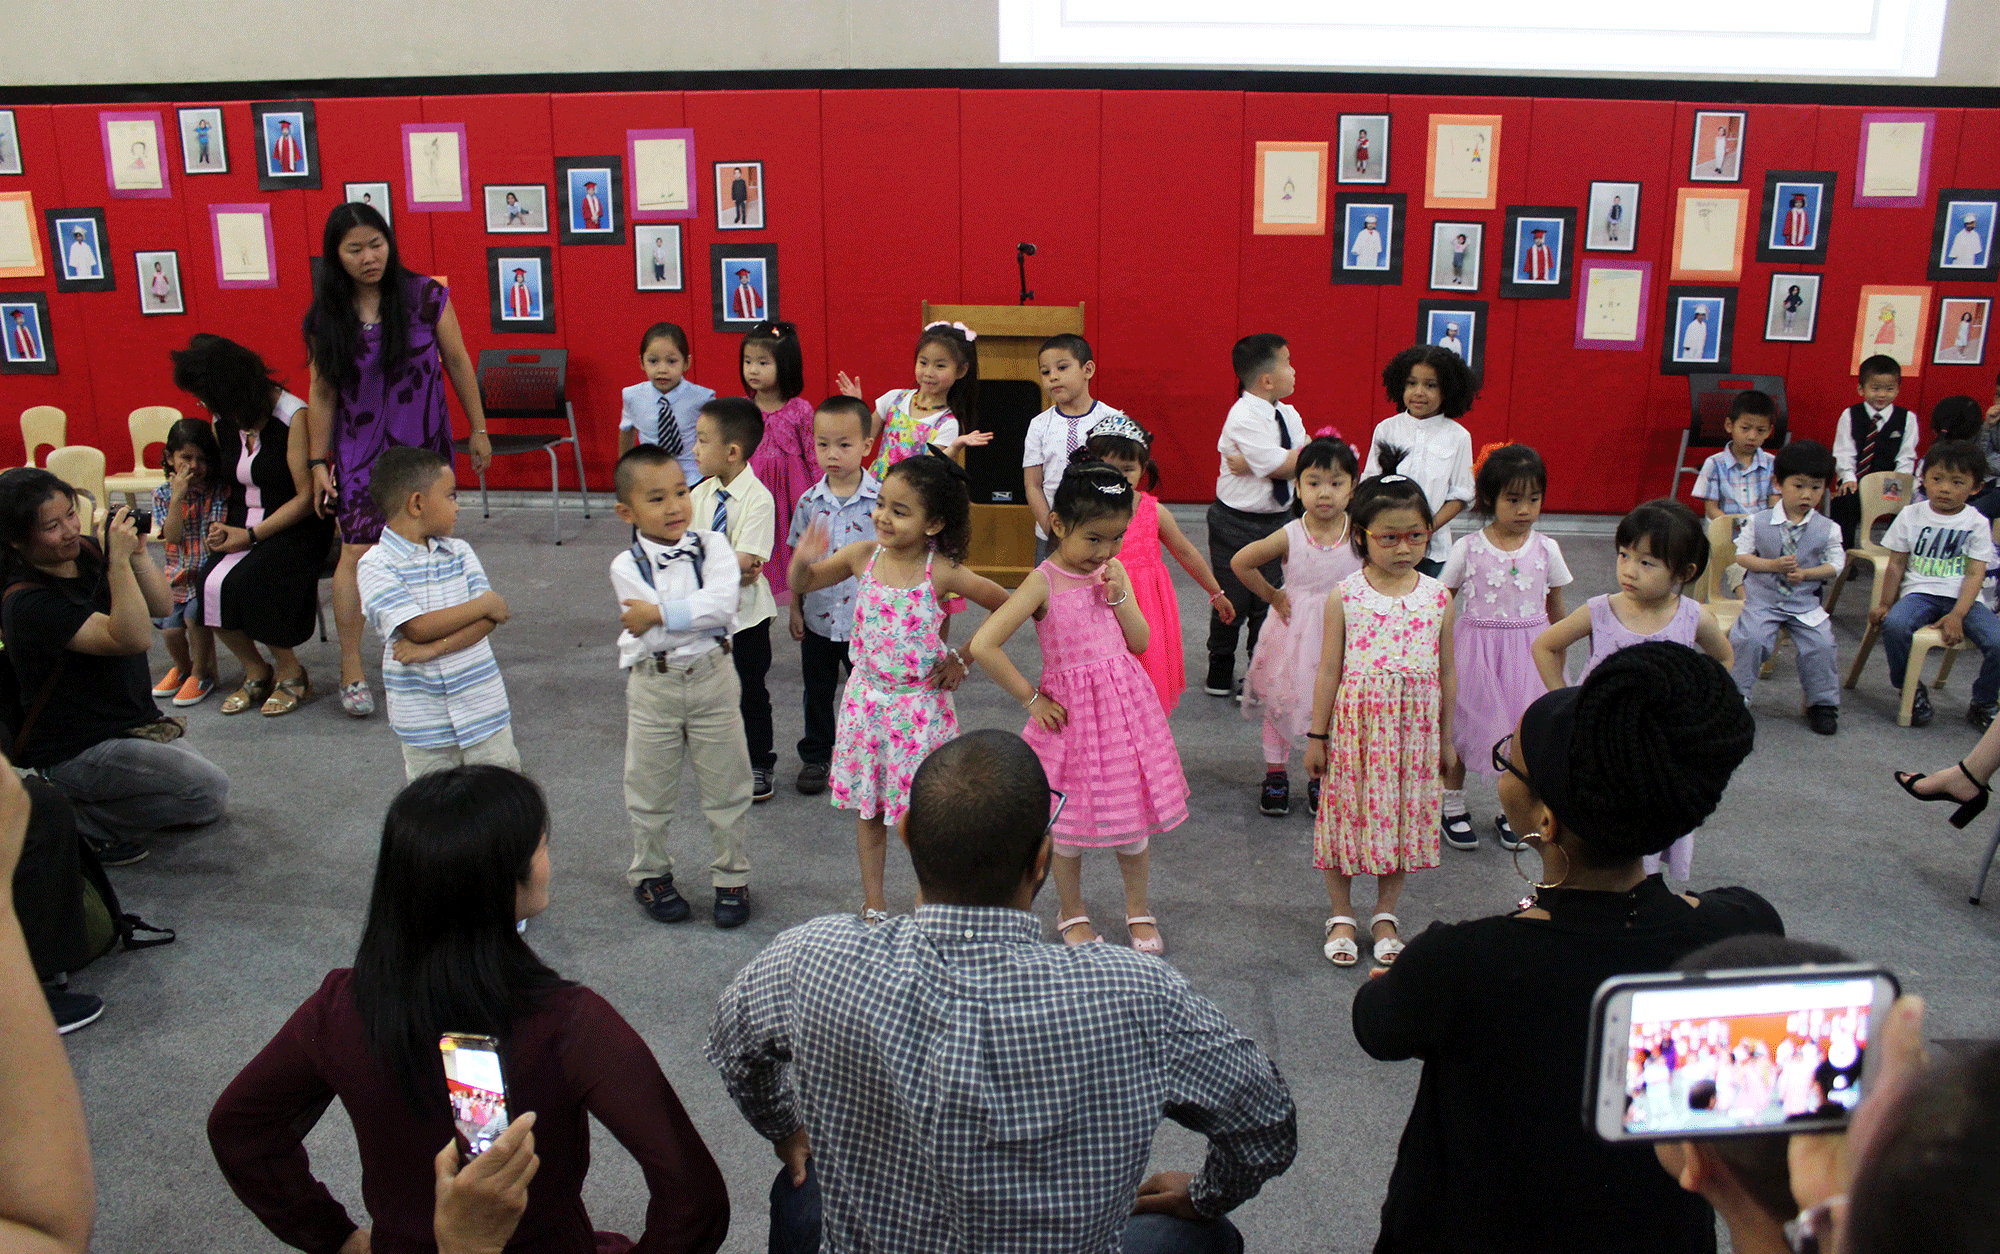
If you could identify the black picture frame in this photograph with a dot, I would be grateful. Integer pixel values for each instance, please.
(9, 364)
(62, 224)
(1784, 184)
(1523, 218)
(500, 261)
(721, 297)
(1476, 310)
(613, 232)
(1941, 230)
(1390, 273)
(1671, 338)
(270, 179)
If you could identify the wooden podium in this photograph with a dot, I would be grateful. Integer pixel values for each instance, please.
(1009, 345)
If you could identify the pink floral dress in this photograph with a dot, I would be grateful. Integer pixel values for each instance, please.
(891, 717)
(1380, 805)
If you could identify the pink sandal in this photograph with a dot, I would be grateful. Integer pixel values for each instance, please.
(1062, 930)
(1157, 945)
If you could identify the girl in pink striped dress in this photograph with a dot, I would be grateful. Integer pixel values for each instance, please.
(1093, 719)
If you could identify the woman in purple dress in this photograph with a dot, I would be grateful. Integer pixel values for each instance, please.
(382, 343)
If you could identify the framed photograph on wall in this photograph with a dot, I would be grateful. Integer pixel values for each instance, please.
(83, 253)
(590, 194)
(1459, 161)
(1891, 321)
(287, 139)
(663, 174)
(1962, 235)
(159, 282)
(1792, 315)
(1797, 210)
(1457, 251)
(1459, 325)
(1537, 252)
(516, 208)
(743, 287)
(135, 158)
(1701, 323)
(1611, 223)
(1708, 234)
(24, 324)
(246, 253)
(1370, 227)
(1612, 311)
(1362, 154)
(520, 290)
(374, 195)
(1894, 160)
(20, 237)
(435, 176)
(1288, 194)
(10, 143)
(1717, 156)
(202, 148)
(739, 196)
(1961, 333)
(656, 257)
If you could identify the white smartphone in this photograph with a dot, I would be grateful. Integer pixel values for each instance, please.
(477, 1090)
(1700, 1054)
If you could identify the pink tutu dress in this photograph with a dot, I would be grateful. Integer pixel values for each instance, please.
(891, 717)
(1164, 660)
(1505, 607)
(1381, 801)
(1287, 662)
(1114, 759)
(1608, 634)
(785, 463)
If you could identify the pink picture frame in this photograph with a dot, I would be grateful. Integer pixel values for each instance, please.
(431, 203)
(229, 269)
(112, 168)
(1929, 122)
(649, 191)
(1590, 329)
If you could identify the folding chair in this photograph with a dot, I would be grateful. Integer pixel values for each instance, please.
(1921, 644)
(148, 425)
(527, 386)
(42, 424)
(82, 468)
(1882, 493)
(1709, 399)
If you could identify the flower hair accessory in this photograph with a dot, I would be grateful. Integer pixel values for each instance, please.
(1327, 433)
(966, 331)
(1124, 428)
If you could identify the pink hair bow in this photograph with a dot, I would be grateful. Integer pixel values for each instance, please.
(1327, 433)
(966, 331)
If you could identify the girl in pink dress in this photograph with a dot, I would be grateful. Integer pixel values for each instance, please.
(1093, 719)
(1381, 719)
(1126, 447)
(1318, 553)
(898, 704)
(1511, 577)
(774, 375)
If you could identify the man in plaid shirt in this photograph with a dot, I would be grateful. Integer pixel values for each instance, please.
(961, 1085)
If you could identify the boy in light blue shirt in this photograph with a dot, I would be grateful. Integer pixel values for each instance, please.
(843, 502)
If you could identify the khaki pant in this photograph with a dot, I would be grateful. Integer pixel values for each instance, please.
(495, 750)
(690, 713)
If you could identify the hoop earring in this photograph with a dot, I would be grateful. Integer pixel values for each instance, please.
(1532, 882)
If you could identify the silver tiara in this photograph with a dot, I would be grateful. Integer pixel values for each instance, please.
(1110, 489)
(1123, 427)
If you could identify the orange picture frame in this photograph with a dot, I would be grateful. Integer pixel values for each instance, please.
(1276, 210)
(1707, 250)
(33, 227)
(1462, 156)
(1908, 308)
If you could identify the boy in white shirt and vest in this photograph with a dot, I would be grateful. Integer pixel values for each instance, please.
(1877, 434)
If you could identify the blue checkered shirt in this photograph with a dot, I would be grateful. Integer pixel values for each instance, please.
(1736, 490)
(966, 1087)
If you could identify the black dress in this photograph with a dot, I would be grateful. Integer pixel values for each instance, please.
(1495, 1156)
(270, 592)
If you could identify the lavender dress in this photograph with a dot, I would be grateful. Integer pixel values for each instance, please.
(1607, 636)
(378, 412)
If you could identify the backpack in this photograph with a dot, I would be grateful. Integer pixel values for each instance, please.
(106, 923)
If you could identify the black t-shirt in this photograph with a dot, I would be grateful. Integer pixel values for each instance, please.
(1495, 1156)
(97, 697)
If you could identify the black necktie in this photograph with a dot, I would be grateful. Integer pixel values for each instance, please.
(1279, 488)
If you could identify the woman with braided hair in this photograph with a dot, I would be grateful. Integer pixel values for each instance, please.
(1494, 1156)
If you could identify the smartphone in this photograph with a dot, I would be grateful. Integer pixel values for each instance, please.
(478, 1093)
(1700, 1054)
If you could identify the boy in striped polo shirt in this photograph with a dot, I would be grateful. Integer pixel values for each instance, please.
(428, 597)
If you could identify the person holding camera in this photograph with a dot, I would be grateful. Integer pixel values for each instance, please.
(77, 618)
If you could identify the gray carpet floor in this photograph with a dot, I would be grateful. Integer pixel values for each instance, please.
(273, 896)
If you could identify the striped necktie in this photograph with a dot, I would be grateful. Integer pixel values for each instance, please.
(1867, 460)
(721, 521)
(670, 431)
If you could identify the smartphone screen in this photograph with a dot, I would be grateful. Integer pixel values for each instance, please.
(478, 1094)
(1718, 1053)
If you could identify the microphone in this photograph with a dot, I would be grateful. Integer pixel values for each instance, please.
(1023, 251)
(1025, 248)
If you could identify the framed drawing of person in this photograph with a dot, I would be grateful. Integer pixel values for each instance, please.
(1962, 235)
(1370, 248)
(134, 156)
(1701, 324)
(1797, 209)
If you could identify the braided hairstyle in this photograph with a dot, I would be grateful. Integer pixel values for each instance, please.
(1659, 730)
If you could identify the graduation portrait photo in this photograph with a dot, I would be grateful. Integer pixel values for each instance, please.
(24, 322)
(1456, 251)
(1537, 252)
(743, 285)
(1962, 235)
(287, 142)
(591, 191)
(1700, 324)
(1457, 325)
(1792, 227)
(519, 289)
(82, 254)
(1370, 230)
(1362, 152)
(202, 149)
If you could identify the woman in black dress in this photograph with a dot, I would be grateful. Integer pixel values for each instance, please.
(261, 583)
(1496, 1155)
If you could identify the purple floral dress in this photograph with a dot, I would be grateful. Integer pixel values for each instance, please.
(891, 717)
(378, 412)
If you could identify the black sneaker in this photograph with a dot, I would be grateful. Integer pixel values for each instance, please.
(1458, 831)
(1507, 838)
(1312, 794)
(761, 788)
(1221, 680)
(732, 907)
(1980, 716)
(661, 900)
(117, 852)
(73, 1010)
(1825, 719)
(1920, 708)
(1276, 798)
(812, 778)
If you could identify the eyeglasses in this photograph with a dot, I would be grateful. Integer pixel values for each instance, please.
(1396, 539)
(1055, 811)
(1503, 759)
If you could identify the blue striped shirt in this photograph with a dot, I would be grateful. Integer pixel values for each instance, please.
(455, 700)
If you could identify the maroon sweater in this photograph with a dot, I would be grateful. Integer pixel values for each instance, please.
(572, 1057)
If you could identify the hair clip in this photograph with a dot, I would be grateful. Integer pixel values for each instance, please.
(1327, 433)
(959, 327)
(1114, 489)
(1393, 479)
(932, 450)
(1124, 428)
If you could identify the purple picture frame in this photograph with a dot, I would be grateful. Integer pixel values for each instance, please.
(1922, 198)
(632, 210)
(1583, 273)
(261, 209)
(104, 121)
(464, 200)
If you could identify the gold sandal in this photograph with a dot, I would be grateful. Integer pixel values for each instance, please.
(290, 693)
(251, 693)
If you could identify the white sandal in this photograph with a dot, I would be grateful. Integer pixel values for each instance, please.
(1386, 947)
(1065, 925)
(1156, 946)
(1341, 951)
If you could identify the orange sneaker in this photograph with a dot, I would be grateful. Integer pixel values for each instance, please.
(170, 683)
(194, 691)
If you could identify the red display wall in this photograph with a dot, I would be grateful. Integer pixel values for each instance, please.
(1139, 203)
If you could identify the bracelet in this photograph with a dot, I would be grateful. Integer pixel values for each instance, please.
(1030, 703)
(253, 534)
(957, 657)
(1216, 595)
(1121, 600)
(1318, 736)
(316, 461)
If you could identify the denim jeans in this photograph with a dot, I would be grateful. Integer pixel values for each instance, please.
(123, 788)
(1921, 609)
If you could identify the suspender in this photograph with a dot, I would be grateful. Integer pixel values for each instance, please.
(645, 565)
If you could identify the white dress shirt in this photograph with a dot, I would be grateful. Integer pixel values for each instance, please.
(753, 524)
(696, 614)
(1845, 452)
(1251, 432)
(1439, 458)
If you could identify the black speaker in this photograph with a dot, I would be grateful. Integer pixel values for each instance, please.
(1006, 407)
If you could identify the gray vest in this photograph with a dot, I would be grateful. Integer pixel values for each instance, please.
(1772, 589)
